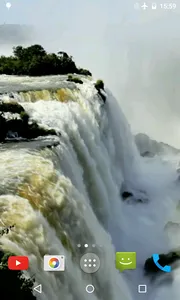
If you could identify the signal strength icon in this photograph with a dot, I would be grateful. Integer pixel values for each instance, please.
(154, 5)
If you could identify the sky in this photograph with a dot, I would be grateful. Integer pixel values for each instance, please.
(135, 51)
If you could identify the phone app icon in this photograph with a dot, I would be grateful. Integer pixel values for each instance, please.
(54, 263)
(125, 261)
(166, 268)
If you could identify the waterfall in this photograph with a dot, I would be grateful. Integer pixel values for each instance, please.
(69, 195)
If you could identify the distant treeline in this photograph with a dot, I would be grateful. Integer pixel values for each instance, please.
(35, 61)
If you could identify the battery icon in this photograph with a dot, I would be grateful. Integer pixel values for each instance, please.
(154, 5)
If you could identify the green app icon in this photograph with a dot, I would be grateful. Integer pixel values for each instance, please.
(125, 261)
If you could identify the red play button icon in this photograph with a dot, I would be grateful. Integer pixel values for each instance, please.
(18, 263)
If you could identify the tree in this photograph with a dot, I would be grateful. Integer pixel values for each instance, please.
(18, 52)
(64, 54)
(35, 50)
(35, 61)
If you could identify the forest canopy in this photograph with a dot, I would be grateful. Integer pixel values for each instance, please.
(35, 61)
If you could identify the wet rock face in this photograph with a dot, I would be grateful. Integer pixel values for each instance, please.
(164, 259)
(126, 195)
(147, 154)
(3, 130)
(131, 195)
(11, 107)
(19, 127)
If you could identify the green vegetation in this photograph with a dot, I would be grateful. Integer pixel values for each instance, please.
(99, 84)
(13, 284)
(84, 72)
(35, 61)
(21, 125)
(74, 79)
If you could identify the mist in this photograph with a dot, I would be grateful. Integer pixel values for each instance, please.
(136, 53)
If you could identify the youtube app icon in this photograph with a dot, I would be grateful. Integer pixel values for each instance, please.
(19, 263)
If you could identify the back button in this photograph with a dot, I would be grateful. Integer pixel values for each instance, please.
(38, 288)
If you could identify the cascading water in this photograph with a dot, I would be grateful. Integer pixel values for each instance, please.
(70, 194)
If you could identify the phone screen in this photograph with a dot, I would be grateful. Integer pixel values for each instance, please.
(89, 150)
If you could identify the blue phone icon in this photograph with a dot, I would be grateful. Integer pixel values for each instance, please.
(165, 268)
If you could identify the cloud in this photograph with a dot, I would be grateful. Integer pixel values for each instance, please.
(15, 33)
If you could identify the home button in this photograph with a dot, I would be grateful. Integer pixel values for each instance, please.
(90, 288)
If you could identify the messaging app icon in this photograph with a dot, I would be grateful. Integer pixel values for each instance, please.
(125, 261)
